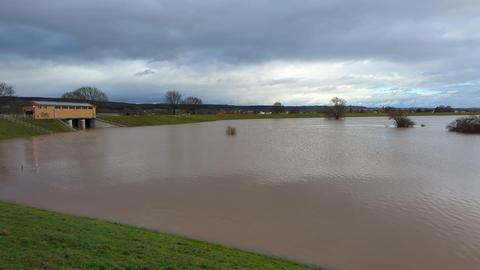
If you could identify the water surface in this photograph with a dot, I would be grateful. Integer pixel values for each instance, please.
(350, 194)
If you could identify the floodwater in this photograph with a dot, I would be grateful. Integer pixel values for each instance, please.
(350, 194)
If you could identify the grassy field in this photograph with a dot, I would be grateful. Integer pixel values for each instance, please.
(38, 239)
(9, 130)
(150, 120)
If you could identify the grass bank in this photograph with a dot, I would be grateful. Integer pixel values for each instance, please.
(10, 130)
(38, 239)
(151, 120)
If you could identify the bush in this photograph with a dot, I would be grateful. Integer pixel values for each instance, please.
(401, 121)
(231, 131)
(469, 124)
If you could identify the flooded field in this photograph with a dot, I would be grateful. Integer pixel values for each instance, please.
(351, 194)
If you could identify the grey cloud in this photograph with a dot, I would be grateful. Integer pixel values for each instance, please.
(282, 81)
(437, 40)
(240, 31)
(145, 72)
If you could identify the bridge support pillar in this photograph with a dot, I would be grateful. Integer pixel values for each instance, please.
(70, 122)
(82, 124)
(91, 123)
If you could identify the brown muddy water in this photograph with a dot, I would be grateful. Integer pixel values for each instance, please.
(350, 194)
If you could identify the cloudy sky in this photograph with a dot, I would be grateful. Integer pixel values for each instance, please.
(370, 52)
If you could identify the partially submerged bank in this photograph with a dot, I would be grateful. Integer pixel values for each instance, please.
(38, 239)
(153, 120)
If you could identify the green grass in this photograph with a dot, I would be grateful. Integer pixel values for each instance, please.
(38, 239)
(150, 120)
(9, 130)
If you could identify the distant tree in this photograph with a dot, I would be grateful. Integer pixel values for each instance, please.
(174, 100)
(387, 109)
(294, 111)
(400, 119)
(338, 108)
(278, 107)
(443, 108)
(87, 93)
(192, 103)
(6, 90)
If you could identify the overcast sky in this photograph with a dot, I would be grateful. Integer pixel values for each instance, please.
(370, 52)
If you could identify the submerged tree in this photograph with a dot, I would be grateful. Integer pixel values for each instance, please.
(87, 93)
(469, 124)
(231, 131)
(6, 90)
(278, 107)
(338, 108)
(400, 119)
(174, 100)
(192, 104)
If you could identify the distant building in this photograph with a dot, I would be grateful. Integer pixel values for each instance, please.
(74, 114)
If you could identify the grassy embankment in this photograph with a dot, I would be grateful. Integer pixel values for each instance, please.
(150, 120)
(38, 239)
(9, 130)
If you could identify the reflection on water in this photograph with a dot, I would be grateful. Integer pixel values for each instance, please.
(352, 194)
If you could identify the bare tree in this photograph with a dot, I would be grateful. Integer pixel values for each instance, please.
(192, 103)
(278, 107)
(174, 100)
(469, 124)
(338, 108)
(400, 119)
(87, 93)
(6, 90)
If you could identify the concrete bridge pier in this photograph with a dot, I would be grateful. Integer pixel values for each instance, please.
(70, 122)
(81, 124)
(90, 123)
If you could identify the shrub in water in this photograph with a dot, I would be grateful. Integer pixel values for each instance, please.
(231, 131)
(469, 124)
(401, 121)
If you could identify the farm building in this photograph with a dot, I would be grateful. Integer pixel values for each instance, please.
(75, 114)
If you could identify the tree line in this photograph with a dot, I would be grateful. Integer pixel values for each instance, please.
(174, 99)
